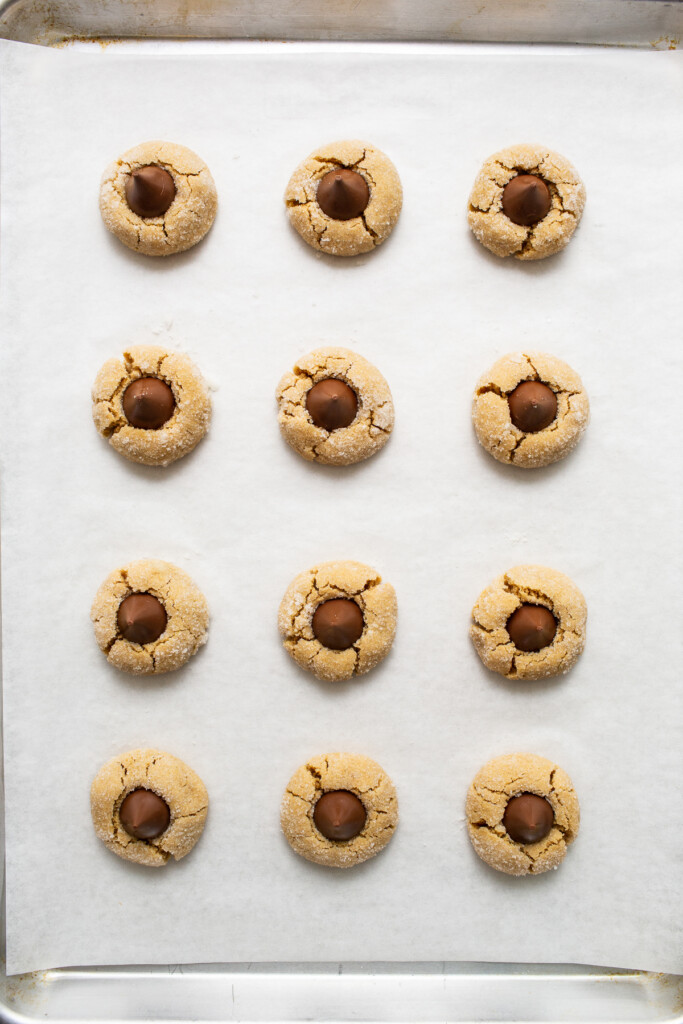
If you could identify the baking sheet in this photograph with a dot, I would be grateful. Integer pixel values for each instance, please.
(433, 513)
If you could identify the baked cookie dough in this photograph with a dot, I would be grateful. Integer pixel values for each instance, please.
(339, 810)
(148, 806)
(345, 198)
(152, 405)
(338, 619)
(335, 407)
(158, 198)
(149, 617)
(530, 409)
(526, 202)
(522, 814)
(530, 623)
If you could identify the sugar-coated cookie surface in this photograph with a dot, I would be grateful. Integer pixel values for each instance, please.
(501, 235)
(492, 419)
(173, 781)
(328, 581)
(187, 614)
(186, 220)
(352, 773)
(371, 426)
(361, 233)
(190, 417)
(529, 585)
(501, 780)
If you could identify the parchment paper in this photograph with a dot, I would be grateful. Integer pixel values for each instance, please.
(435, 514)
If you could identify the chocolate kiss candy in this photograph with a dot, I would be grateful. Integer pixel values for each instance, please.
(339, 815)
(150, 190)
(531, 627)
(533, 406)
(141, 618)
(332, 404)
(528, 818)
(337, 624)
(526, 199)
(144, 815)
(148, 403)
(343, 194)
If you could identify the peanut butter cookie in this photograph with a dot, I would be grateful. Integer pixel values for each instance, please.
(522, 814)
(345, 198)
(530, 623)
(158, 198)
(339, 810)
(152, 405)
(526, 202)
(149, 617)
(530, 409)
(338, 619)
(148, 806)
(335, 407)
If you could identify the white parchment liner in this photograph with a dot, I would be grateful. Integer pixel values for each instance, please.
(433, 512)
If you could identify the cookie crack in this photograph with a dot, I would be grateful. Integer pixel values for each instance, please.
(373, 234)
(335, 162)
(493, 830)
(528, 243)
(309, 213)
(535, 371)
(520, 591)
(119, 421)
(192, 814)
(372, 180)
(518, 441)
(486, 389)
(480, 788)
(297, 796)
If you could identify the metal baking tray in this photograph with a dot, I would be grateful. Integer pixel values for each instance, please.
(413, 992)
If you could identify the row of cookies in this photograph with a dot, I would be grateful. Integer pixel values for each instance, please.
(338, 620)
(529, 409)
(159, 198)
(338, 810)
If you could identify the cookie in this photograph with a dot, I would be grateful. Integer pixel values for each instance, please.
(158, 198)
(335, 407)
(339, 810)
(530, 623)
(530, 409)
(148, 806)
(338, 619)
(149, 617)
(345, 198)
(522, 814)
(526, 202)
(152, 405)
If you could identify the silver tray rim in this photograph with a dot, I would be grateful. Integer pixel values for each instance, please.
(259, 991)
